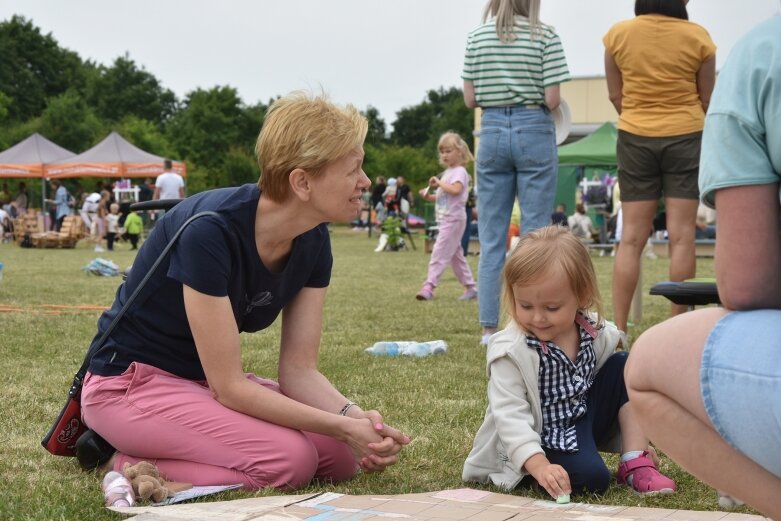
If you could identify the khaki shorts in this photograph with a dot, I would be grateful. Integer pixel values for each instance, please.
(649, 167)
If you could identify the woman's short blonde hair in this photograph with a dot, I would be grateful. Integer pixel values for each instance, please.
(454, 140)
(307, 132)
(542, 249)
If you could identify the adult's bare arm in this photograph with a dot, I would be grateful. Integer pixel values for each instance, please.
(706, 80)
(615, 81)
(469, 95)
(300, 379)
(217, 341)
(553, 97)
(748, 247)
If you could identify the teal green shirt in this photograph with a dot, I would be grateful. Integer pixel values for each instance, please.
(741, 143)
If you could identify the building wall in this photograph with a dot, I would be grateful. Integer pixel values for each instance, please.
(588, 101)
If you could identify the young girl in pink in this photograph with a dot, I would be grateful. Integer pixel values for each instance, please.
(452, 191)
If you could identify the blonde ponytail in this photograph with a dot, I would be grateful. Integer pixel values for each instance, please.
(505, 10)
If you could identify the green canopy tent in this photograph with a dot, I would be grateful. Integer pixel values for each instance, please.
(594, 154)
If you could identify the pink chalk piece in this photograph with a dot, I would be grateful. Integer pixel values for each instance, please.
(462, 494)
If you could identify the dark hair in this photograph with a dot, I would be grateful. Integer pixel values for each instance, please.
(167, 164)
(674, 8)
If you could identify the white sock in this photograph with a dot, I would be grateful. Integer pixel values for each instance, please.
(626, 456)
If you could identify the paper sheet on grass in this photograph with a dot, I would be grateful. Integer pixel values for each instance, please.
(458, 504)
(194, 492)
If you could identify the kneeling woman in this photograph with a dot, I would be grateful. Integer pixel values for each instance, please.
(168, 386)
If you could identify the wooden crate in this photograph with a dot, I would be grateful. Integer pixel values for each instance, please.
(25, 224)
(71, 231)
(46, 240)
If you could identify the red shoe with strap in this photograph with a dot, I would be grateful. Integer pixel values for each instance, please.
(642, 475)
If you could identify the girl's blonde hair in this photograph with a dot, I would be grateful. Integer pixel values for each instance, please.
(505, 10)
(542, 249)
(455, 141)
(304, 131)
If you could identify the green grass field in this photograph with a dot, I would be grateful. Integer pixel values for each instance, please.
(439, 401)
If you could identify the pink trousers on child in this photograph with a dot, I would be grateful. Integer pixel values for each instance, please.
(175, 423)
(448, 252)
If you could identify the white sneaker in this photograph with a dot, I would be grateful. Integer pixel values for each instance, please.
(728, 502)
(382, 244)
(484, 339)
(99, 249)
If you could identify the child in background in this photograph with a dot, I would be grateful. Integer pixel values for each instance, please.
(389, 198)
(97, 226)
(112, 225)
(133, 228)
(452, 191)
(556, 383)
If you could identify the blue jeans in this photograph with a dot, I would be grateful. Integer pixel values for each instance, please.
(467, 232)
(740, 380)
(516, 158)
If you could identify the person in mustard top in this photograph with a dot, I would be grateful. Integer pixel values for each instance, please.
(660, 70)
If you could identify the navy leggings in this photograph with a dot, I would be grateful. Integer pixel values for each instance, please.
(586, 468)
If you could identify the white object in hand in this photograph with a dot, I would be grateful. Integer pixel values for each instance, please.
(564, 498)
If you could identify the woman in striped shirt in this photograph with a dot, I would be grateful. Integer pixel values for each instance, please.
(512, 70)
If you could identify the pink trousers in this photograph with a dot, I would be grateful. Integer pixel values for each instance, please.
(175, 423)
(448, 252)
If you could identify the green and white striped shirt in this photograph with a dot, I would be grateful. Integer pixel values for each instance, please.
(515, 73)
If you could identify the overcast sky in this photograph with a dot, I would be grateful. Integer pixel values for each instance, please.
(387, 54)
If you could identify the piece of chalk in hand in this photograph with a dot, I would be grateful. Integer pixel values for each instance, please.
(564, 498)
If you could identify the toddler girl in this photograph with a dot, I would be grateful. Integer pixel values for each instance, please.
(556, 383)
(452, 191)
(112, 225)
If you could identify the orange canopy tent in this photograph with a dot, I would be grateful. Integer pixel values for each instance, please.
(112, 157)
(28, 158)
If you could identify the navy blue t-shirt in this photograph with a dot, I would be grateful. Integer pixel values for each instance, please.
(215, 256)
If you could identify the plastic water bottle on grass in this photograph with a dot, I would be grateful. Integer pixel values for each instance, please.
(418, 349)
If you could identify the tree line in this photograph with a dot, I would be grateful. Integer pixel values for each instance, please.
(75, 103)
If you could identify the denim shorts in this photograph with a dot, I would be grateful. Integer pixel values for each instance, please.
(740, 379)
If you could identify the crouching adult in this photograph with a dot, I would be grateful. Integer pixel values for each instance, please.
(168, 385)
